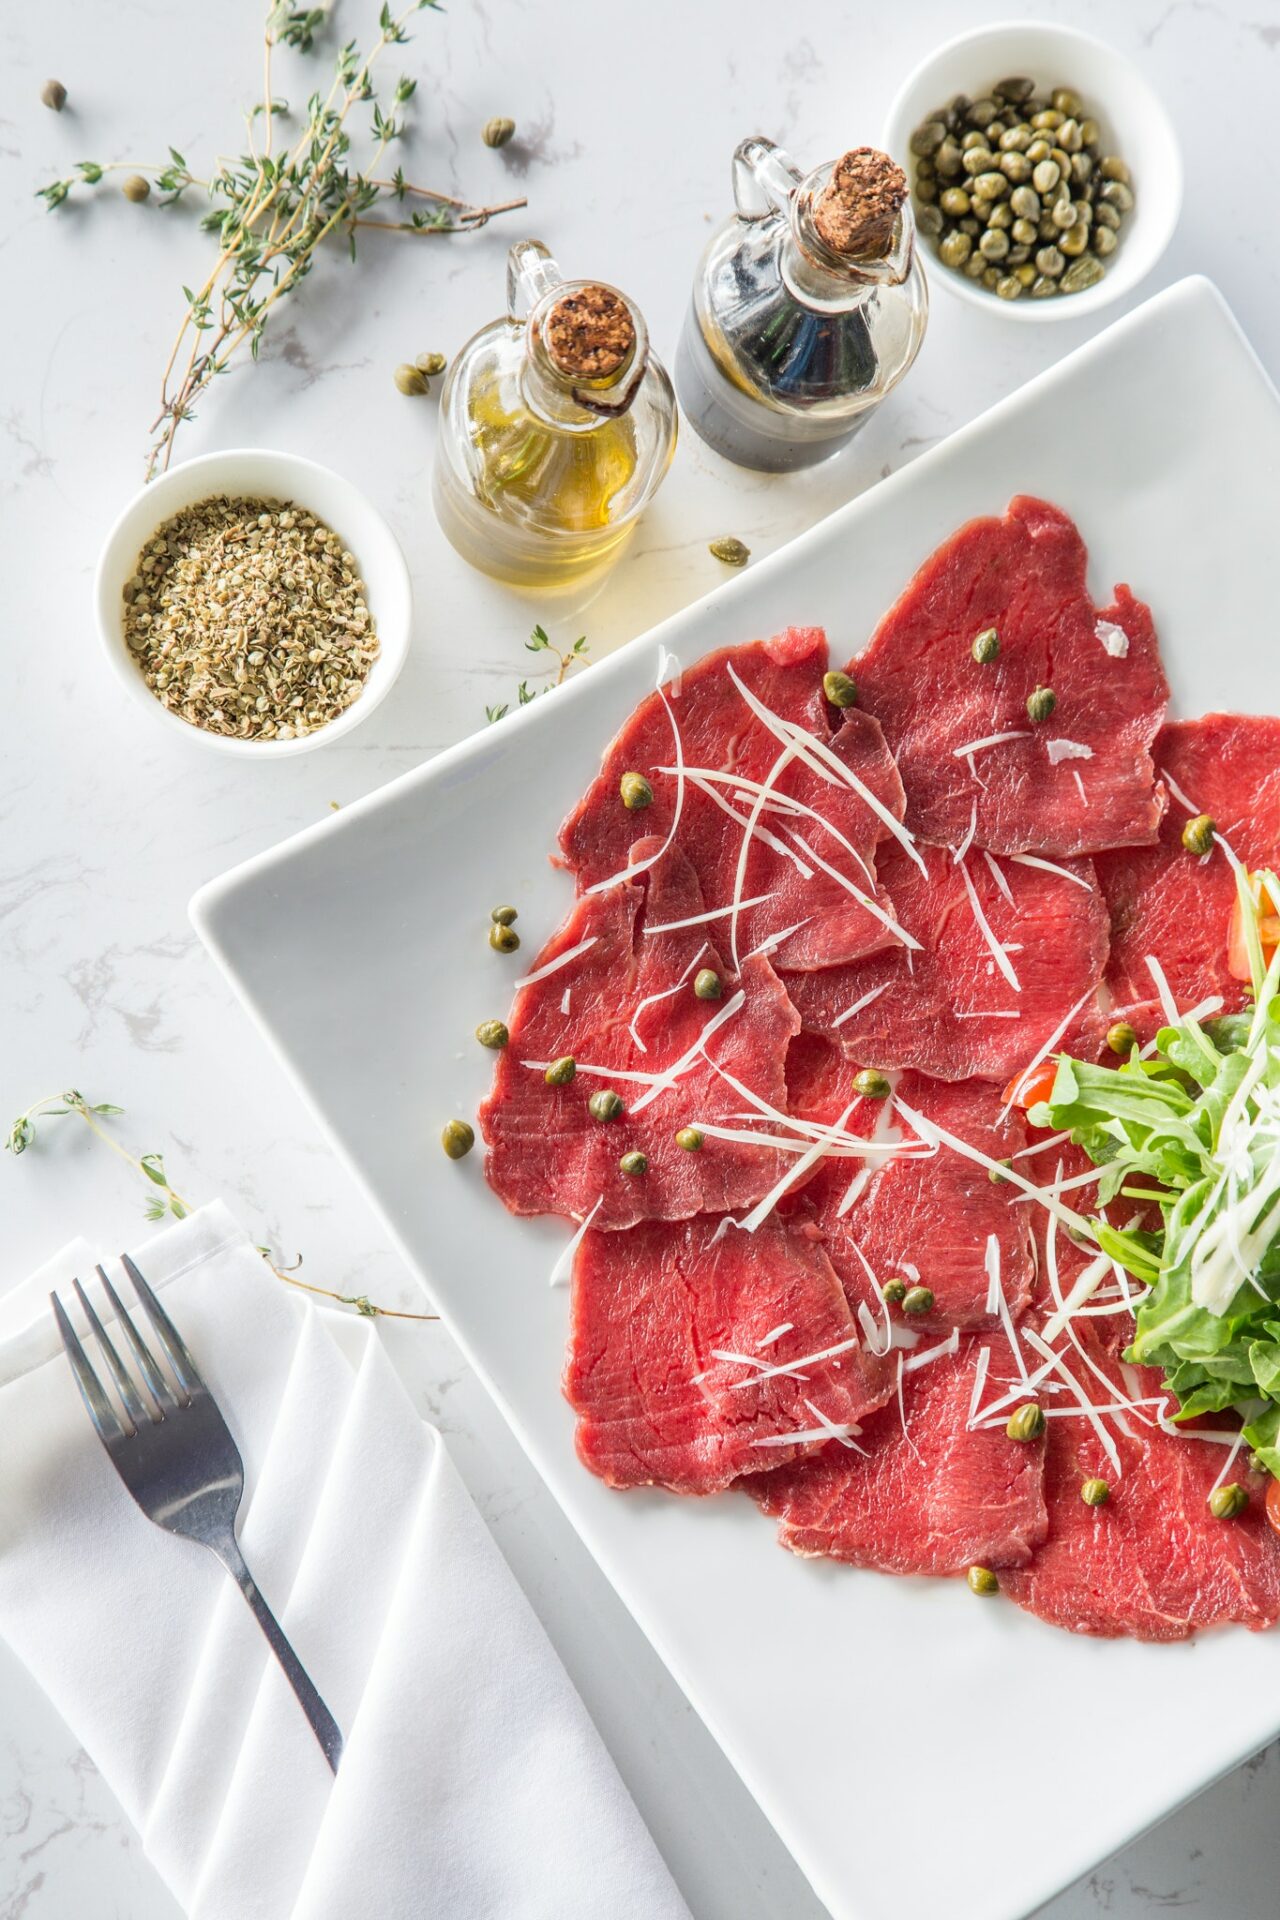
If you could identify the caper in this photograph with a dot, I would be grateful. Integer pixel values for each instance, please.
(1070, 138)
(1023, 232)
(497, 132)
(1090, 132)
(1066, 101)
(928, 136)
(1026, 1422)
(606, 1105)
(1117, 194)
(1075, 242)
(634, 1162)
(1104, 242)
(430, 363)
(986, 646)
(493, 1033)
(561, 1071)
(1082, 273)
(1025, 202)
(928, 219)
(983, 110)
(1050, 261)
(871, 1084)
(1048, 119)
(990, 186)
(1040, 705)
(994, 244)
(1024, 270)
(955, 201)
(999, 214)
(1009, 287)
(1017, 89)
(947, 159)
(410, 381)
(918, 1300)
(1095, 1493)
(1081, 168)
(975, 267)
(1226, 1502)
(1121, 1038)
(955, 249)
(972, 140)
(53, 94)
(731, 553)
(839, 689)
(636, 792)
(1042, 287)
(991, 277)
(1197, 835)
(1015, 167)
(894, 1291)
(1045, 176)
(1105, 216)
(457, 1139)
(690, 1139)
(134, 187)
(978, 160)
(1063, 213)
(982, 1580)
(1016, 139)
(1038, 150)
(707, 984)
(503, 939)
(996, 1172)
(1112, 167)
(993, 130)
(503, 916)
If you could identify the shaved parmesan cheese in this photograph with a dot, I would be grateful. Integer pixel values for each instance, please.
(997, 874)
(1049, 866)
(763, 1208)
(794, 1366)
(1114, 639)
(1045, 1051)
(827, 1431)
(928, 1355)
(979, 1381)
(959, 852)
(877, 912)
(739, 1359)
(566, 999)
(1177, 792)
(668, 1079)
(560, 1271)
(779, 766)
(996, 1013)
(775, 940)
(1080, 787)
(819, 757)
(642, 866)
(902, 1410)
(1060, 750)
(1095, 1421)
(864, 1000)
(840, 1432)
(929, 1129)
(715, 913)
(561, 960)
(652, 999)
(762, 834)
(998, 953)
(971, 747)
(775, 1333)
(1168, 1004)
(1042, 1146)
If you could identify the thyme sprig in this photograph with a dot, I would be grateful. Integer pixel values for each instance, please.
(566, 659)
(166, 1202)
(272, 211)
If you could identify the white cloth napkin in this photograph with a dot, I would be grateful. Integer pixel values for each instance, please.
(473, 1783)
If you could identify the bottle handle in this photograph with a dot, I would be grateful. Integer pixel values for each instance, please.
(764, 178)
(531, 274)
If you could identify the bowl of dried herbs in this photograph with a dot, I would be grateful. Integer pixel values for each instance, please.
(254, 602)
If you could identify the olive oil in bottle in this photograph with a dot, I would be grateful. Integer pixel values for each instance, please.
(809, 306)
(557, 425)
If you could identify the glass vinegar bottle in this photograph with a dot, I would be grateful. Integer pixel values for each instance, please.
(809, 306)
(557, 424)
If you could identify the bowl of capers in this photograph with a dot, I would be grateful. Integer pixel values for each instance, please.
(1046, 179)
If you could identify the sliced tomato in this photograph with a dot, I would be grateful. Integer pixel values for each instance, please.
(1273, 1504)
(1031, 1085)
(1268, 932)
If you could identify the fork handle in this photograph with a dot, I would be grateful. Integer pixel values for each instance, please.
(323, 1724)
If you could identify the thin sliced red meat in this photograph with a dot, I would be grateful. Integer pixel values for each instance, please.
(652, 1307)
(1152, 1562)
(1025, 576)
(1170, 903)
(546, 1152)
(790, 853)
(932, 1497)
(927, 1220)
(947, 1009)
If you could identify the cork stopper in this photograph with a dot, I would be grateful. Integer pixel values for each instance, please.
(857, 211)
(589, 333)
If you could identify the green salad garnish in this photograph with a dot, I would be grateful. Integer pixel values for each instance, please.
(1194, 1133)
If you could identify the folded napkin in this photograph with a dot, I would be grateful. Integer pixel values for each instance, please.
(472, 1784)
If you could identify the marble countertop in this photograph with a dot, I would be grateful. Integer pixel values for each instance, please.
(108, 826)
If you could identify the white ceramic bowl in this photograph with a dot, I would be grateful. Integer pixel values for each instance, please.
(1134, 124)
(256, 472)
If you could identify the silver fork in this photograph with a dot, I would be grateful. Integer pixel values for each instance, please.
(175, 1454)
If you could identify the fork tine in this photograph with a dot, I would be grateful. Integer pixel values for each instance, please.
(101, 1411)
(134, 1405)
(161, 1392)
(172, 1344)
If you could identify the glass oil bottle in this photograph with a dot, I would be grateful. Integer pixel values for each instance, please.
(557, 425)
(809, 306)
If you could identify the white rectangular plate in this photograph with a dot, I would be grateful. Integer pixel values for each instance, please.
(920, 1752)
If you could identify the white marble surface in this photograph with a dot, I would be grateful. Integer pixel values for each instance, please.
(627, 122)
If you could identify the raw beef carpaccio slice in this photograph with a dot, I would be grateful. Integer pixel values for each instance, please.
(652, 1310)
(950, 1008)
(1171, 904)
(791, 853)
(547, 1154)
(1078, 781)
(930, 1221)
(1153, 1562)
(932, 1496)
